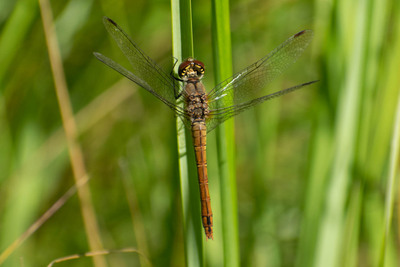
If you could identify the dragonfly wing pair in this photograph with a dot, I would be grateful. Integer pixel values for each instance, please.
(202, 111)
(240, 91)
(147, 73)
(228, 98)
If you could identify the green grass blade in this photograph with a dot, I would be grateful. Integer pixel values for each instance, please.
(351, 140)
(391, 182)
(329, 240)
(193, 233)
(225, 136)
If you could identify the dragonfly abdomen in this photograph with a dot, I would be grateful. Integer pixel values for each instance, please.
(197, 111)
(199, 132)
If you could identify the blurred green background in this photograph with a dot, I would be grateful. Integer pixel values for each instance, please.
(312, 166)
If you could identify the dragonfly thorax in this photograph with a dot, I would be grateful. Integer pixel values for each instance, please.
(191, 69)
(196, 101)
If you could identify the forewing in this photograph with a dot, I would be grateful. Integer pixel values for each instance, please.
(242, 90)
(220, 115)
(146, 72)
(112, 64)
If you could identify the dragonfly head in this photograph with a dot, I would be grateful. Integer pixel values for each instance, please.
(191, 69)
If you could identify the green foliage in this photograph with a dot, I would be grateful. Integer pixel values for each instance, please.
(315, 170)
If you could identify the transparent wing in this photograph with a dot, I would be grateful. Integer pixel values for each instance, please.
(217, 116)
(240, 91)
(146, 72)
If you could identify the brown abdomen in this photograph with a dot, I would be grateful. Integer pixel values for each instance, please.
(199, 132)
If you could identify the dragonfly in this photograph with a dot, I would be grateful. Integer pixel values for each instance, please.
(200, 111)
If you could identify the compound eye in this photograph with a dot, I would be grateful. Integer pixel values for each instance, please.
(199, 69)
(183, 68)
(198, 63)
(199, 66)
